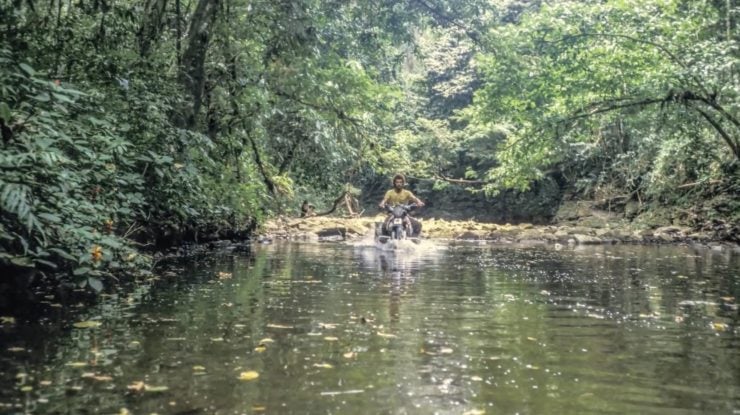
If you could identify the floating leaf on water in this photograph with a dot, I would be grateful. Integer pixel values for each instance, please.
(136, 386)
(347, 392)
(239, 326)
(266, 340)
(7, 320)
(446, 350)
(102, 378)
(89, 324)
(387, 335)
(258, 408)
(134, 343)
(249, 375)
(323, 365)
(260, 349)
(279, 326)
(331, 338)
(350, 355)
(718, 326)
(76, 364)
(198, 368)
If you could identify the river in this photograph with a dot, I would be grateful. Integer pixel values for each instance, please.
(337, 328)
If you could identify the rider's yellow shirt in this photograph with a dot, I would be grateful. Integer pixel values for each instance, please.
(392, 197)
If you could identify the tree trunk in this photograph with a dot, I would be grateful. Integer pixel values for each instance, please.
(192, 74)
(152, 25)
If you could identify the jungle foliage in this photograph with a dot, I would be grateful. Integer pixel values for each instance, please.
(130, 123)
(620, 101)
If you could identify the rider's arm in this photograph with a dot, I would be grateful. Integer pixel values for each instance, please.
(382, 202)
(417, 200)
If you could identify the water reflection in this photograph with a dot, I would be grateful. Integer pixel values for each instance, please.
(334, 328)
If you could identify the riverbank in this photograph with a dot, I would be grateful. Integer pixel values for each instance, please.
(592, 230)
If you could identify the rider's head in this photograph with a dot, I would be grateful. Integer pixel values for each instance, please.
(399, 181)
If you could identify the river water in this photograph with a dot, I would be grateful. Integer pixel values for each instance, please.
(336, 328)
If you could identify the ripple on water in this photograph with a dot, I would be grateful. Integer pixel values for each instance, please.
(348, 328)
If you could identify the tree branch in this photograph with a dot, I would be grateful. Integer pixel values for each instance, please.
(339, 113)
(440, 15)
(465, 182)
(730, 142)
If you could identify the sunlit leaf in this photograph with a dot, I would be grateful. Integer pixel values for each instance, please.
(279, 326)
(136, 386)
(249, 375)
(719, 326)
(7, 320)
(89, 324)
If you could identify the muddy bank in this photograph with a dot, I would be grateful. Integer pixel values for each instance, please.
(594, 229)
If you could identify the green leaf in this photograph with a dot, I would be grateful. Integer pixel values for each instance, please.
(5, 112)
(27, 69)
(95, 283)
(22, 261)
(62, 253)
(50, 217)
(82, 271)
(45, 262)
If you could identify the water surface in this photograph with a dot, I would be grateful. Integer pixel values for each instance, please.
(448, 329)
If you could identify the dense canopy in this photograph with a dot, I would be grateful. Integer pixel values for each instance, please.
(139, 122)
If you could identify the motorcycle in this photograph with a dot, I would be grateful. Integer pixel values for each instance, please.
(398, 227)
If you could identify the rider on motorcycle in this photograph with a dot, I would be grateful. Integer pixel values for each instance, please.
(400, 196)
